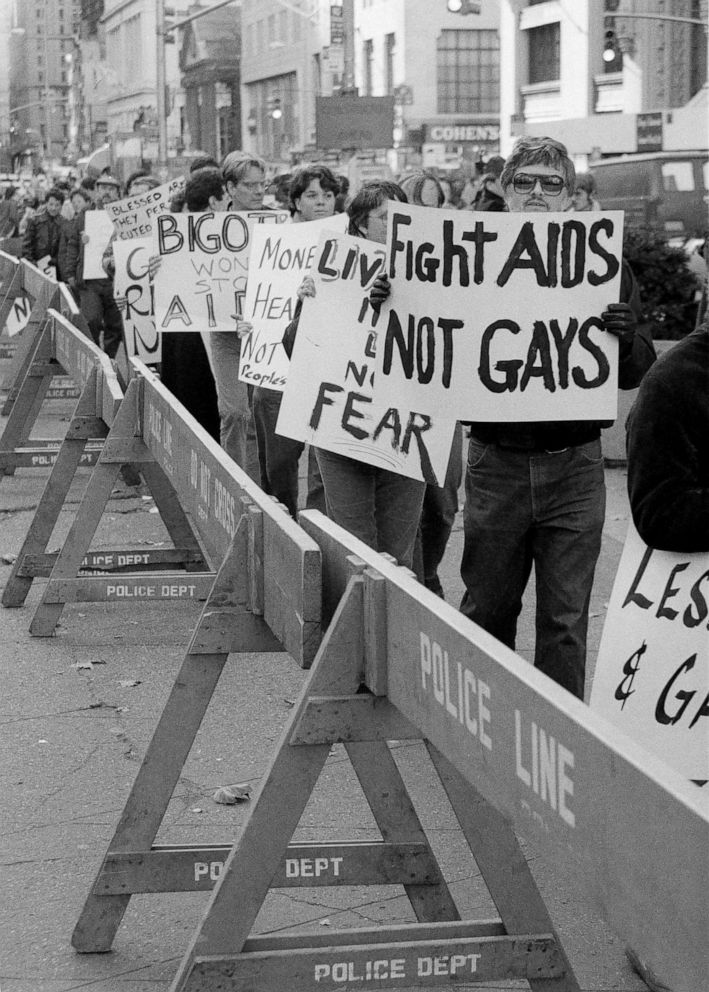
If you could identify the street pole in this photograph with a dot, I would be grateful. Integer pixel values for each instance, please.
(47, 143)
(161, 85)
(349, 54)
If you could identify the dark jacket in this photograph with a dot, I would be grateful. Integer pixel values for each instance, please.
(634, 361)
(668, 449)
(42, 237)
(9, 219)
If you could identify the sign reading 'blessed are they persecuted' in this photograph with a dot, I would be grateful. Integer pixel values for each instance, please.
(497, 317)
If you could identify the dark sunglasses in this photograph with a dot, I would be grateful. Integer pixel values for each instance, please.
(551, 185)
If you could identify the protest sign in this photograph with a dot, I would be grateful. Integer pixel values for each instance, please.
(329, 399)
(652, 672)
(46, 266)
(133, 293)
(98, 228)
(19, 316)
(279, 261)
(133, 217)
(204, 260)
(496, 317)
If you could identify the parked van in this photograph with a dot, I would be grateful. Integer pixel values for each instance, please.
(663, 190)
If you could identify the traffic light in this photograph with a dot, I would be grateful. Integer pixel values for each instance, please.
(464, 6)
(274, 108)
(610, 47)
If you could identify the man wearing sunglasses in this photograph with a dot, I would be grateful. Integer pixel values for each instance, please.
(535, 492)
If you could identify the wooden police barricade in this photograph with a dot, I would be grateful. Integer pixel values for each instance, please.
(10, 290)
(43, 293)
(265, 597)
(514, 752)
(62, 346)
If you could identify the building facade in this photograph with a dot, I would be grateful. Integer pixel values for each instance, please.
(557, 81)
(43, 41)
(131, 69)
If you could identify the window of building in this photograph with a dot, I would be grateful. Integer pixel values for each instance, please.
(468, 76)
(368, 65)
(544, 53)
(389, 49)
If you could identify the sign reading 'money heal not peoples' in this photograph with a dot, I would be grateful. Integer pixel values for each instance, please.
(496, 317)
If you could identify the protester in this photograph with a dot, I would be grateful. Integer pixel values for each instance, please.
(80, 201)
(668, 449)
(107, 190)
(95, 296)
(380, 507)
(40, 242)
(535, 492)
(245, 179)
(9, 214)
(491, 196)
(185, 368)
(312, 197)
(440, 503)
(585, 192)
(30, 206)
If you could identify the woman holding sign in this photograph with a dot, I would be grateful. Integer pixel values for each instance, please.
(379, 507)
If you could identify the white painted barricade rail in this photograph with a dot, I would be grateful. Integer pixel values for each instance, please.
(513, 752)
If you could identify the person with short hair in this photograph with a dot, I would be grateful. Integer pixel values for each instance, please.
(535, 491)
(379, 507)
(585, 192)
(244, 176)
(311, 196)
(43, 231)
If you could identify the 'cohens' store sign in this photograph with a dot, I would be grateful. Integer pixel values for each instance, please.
(459, 133)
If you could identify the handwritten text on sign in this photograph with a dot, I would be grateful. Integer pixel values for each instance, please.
(134, 216)
(496, 317)
(329, 400)
(279, 260)
(98, 228)
(652, 674)
(201, 282)
(134, 297)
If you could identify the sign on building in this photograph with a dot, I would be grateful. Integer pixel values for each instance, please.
(354, 121)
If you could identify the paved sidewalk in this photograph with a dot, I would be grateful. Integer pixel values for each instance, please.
(79, 710)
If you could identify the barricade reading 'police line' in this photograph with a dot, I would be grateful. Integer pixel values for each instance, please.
(511, 748)
(62, 346)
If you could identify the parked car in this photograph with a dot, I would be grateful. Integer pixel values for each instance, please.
(667, 191)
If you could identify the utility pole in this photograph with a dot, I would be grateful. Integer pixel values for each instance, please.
(161, 86)
(349, 53)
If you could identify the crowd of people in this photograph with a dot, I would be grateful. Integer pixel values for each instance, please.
(534, 491)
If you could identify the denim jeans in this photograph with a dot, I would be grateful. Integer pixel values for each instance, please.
(379, 507)
(440, 505)
(542, 509)
(236, 429)
(279, 456)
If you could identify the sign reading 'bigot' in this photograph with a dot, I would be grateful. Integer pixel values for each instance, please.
(652, 673)
(330, 398)
(204, 261)
(496, 317)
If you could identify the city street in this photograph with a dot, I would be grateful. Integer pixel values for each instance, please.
(79, 711)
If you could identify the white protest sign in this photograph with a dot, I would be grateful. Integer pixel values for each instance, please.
(133, 217)
(46, 267)
(328, 400)
(652, 672)
(279, 261)
(134, 297)
(98, 228)
(496, 317)
(18, 316)
(201, 282)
